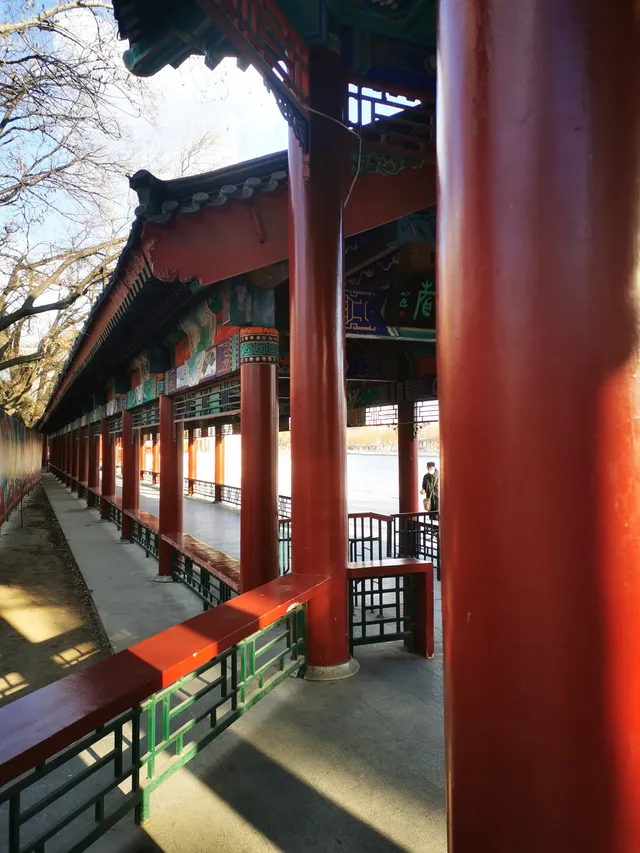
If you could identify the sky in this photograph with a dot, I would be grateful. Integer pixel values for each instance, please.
(183, 105)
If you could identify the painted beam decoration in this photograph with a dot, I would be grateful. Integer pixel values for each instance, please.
(378, 312)
(411, 300)
(20, 460)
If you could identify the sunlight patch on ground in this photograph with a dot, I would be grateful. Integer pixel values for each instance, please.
(74, 655)
(35, 620)
(10, 683)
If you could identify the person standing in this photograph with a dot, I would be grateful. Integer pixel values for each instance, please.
(431, 490)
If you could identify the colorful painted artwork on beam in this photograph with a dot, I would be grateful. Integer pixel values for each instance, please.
(365, 311)
(210, 364)
(233, 304)
(145, 392)
(20, 459)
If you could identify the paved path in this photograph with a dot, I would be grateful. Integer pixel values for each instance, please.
(48, 625)
(120, 578)
(355, 767)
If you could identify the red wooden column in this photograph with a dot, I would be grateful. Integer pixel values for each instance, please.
(45, 451)
(171, 482)
(108, 485)
(155, 455)
(318, 406)
(67, 457)
(82, 455)
(143, 454)
(130, 473)
(538, 363)
(408, 489)
(93, 470)
(75, 459)
(259, 356)
(191, 459)
(219, 459)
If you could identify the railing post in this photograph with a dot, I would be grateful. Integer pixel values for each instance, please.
(171, 483)
(130, 475)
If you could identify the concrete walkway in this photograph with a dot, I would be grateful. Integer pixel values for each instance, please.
(355, 766)
(212, 523)
(121, 580)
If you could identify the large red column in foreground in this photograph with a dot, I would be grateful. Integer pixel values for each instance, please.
(259, 429)
(130, 470)
(171, 481)
(407, 459)
(318, 405)
(538, 363)
(108, 485)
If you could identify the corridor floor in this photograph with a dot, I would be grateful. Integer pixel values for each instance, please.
(355, 766)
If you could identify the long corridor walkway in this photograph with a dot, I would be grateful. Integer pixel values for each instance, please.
(356, 766)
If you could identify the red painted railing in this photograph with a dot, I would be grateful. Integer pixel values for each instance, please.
(42, 723)
(139, 716)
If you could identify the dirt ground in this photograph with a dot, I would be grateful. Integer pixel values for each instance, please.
(48, 625)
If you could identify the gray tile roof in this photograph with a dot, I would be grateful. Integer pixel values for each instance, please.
(160, 201)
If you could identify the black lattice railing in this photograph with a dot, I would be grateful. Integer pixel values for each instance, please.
(284, 546)
(115, 515)
(230, 495)
(417, 535)
(369, 536)
(145, 537)
(210, 589)
(204, 488)
(383, 610)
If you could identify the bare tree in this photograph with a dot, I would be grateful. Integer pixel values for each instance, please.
(62, 93)
(64, 98)
(66, 103)
(44, 301)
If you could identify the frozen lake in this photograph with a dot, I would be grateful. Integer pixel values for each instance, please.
(372, 478)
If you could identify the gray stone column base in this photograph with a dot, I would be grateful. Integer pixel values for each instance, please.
(332, 673)
(163, 579)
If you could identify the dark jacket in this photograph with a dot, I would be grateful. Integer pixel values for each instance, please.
(431, 487)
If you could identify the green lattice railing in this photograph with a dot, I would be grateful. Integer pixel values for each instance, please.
(79, 793)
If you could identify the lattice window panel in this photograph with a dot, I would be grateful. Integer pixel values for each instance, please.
(402, 125)
(115, 425)
(146, 416)
(208, 402)
(427, 412)
(382, 416)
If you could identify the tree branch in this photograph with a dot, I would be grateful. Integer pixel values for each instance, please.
(45, 17)
(21, 359)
